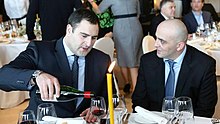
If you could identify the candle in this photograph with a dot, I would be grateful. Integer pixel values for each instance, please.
(109, 84)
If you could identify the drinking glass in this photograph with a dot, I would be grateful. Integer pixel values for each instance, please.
(198, 32)
(168, 106)
(98, 107)
(119, 107)
(184, 109)
(27, 117)
(46, 109)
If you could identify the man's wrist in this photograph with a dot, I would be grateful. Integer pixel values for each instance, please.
(35, 75)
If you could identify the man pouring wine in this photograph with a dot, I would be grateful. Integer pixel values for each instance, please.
(70, 61)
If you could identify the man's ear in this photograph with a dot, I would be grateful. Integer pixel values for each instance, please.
(69, 29)
(180, 46)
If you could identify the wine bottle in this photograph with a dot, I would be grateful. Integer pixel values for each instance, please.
(68, 93)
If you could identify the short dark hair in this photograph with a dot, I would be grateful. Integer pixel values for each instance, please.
(163, 2)
(82, 14)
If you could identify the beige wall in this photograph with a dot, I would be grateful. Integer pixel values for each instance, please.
(215, 3)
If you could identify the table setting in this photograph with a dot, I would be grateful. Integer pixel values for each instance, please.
(207, 40)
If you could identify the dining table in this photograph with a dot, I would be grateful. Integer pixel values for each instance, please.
(211, 48)
(9, 50)
(128, 118)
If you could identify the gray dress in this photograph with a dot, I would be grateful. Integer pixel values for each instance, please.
(127, 32)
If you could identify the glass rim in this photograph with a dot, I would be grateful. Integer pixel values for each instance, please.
(183, 98)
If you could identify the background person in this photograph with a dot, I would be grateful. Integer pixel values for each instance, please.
(127, 34)
(53, 16)
(196, 17)
(167, 11)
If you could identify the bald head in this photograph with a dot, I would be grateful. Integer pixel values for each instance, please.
(171, 39)
(174, 29)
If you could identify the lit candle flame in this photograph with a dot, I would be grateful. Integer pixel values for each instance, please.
(111, 66)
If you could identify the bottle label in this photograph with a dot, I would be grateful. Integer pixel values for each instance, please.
(87, 94)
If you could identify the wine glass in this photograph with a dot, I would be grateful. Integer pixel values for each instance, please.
(98, 107)
(184, 109)
(43, 110)
(27, 117)
(168, 106)
(119, 107)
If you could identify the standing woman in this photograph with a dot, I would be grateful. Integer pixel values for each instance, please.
(127, 33)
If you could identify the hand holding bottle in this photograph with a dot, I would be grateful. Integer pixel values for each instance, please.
(68, 93)
(48, 86)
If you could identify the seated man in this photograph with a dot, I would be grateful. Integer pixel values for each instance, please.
(196, 17)
(194, 72)
(51, 62)
(167, 11)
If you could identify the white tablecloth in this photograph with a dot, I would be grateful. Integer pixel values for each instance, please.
(7, 53)
(134, 118)
(215, 53)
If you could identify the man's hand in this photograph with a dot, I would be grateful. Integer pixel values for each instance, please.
(48, 86)
(88, 116)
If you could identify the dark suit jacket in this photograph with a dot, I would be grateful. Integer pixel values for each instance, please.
(53, 15)
(191, 23)
(2, 11)
(51, 58)
(196, 80)
(154, 23)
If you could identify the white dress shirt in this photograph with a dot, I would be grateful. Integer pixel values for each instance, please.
(81, 62)
(176, 67)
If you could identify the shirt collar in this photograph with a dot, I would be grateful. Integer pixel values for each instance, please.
(195, 13)
(165, 16)
(67, 50)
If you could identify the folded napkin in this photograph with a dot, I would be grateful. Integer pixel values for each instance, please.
(150, 115)
(77, 120)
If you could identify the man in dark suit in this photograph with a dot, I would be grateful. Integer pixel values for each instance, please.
(53, 16)
(167, 8)
(194, 72)
(196, 17)
(47, 65)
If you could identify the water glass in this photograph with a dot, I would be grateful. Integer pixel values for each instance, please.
(26, 117)
(46, 109)
(168, 106)
(184, 109)
(119, 107)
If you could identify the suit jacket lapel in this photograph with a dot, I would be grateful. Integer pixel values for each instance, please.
(184, 73)
(63, 62)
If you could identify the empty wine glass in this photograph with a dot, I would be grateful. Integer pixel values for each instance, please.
(27, 117)
(98, 107)
(168, 107)
(119, 107)
(184, 109)
(43, 110)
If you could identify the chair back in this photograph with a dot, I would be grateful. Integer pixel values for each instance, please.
(148, 44)
(106, 45)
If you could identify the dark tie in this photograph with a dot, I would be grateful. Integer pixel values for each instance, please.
(75, 71)
(170, 80)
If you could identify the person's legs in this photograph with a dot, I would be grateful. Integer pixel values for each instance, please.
(134, 73)
(124, 72)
